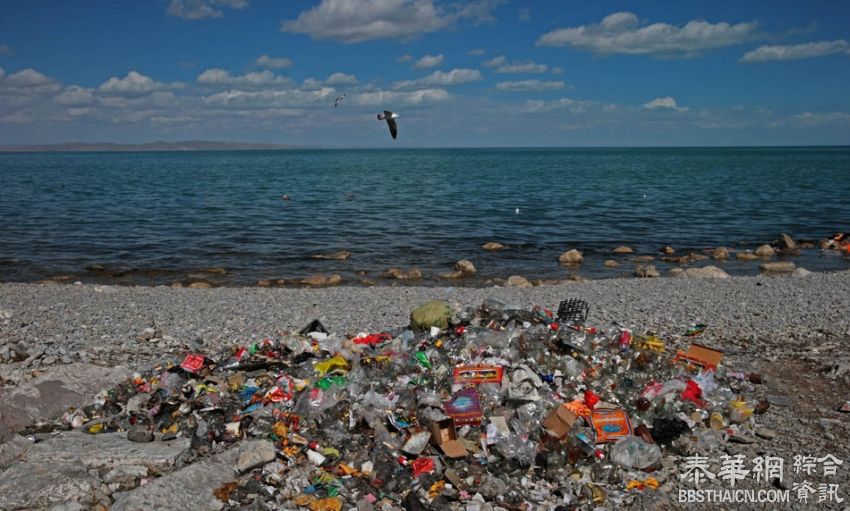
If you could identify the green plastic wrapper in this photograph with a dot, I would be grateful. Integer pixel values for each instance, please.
(434, 313)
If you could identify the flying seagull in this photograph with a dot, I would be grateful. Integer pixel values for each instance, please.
(390, 117)
(339, 98)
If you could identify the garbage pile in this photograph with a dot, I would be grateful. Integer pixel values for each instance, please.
(492, 407)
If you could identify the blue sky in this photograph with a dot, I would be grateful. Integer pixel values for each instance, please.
(477, 73)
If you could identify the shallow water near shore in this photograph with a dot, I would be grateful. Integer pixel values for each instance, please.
(158, 218)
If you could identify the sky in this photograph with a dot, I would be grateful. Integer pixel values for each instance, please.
(480, 73)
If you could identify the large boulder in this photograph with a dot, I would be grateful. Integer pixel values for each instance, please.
(51, 394)
(571, 257)
(786, 243)
(745, 256)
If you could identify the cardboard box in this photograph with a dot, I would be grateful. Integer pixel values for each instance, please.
(559, 422)
(610, 424)
(465, 375)
(701, 356)
(444, 436)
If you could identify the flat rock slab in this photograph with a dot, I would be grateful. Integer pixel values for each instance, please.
(53, 393)
(13, 450)
(107, 450)
(190, 487)
(40, 485)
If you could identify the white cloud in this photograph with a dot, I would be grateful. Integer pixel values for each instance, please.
(241, 99)
(28, 78)
(530, 85)
(442, 79)
(664, 103)
(75, 95)
(797, 51)
(202, 9)
(134, 84)
(273, 62)
(341, 79)
(495, 61)
(621, 33)
(822, 118)
(428, 61)
(6, 50)
(476, 52)
(524, 15)
(259, 79)
(522, 67)
(353, 21)
(379, 98)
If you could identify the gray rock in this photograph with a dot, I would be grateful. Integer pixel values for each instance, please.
(53, 393)
(13, 450)
(255, 453)
(67, 506)
(786, 243)
(140, 435)
(40, 485)
(125, 473)
(48, 360)
(107, 450)
(720, 253)
(190, 487)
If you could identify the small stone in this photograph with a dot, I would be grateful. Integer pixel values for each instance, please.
(765, 251)
(147, 334)
(492, 245)
(646, 271)
(48, 360)
(622, 249)
(255, 453)
(767, 434)
(745, 256)
(741, 438)
(642, 258)
(668, 250)
(800, 273)
(720, 253)
(778, 267)
(321, 280)
(140, 435)
(452, 275)
(778, 400)
(517, 281)
(200, 285)
(610, 263)
(675, 272)
(706, 272)
(693, 256)
(571, 257)
(465, 266)
(176, 285)
(398, 274)
(264, 282)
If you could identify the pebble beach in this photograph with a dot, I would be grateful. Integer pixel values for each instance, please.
(792, 330)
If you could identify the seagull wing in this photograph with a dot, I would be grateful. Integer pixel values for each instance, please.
(393, 126)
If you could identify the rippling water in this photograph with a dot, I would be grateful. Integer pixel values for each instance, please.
(156, 217)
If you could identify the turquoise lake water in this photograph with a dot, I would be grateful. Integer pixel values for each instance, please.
(155, 218)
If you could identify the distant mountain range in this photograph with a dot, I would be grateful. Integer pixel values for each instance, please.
(189, 145)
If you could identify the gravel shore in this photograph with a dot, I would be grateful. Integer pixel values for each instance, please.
(794, 331)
